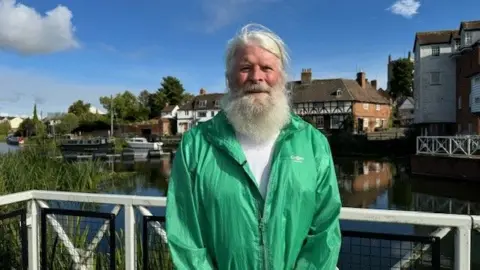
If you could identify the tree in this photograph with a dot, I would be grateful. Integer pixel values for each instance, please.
(79, 108)
(186, 97)
(144, 98)
(401, 84)
(173, 90)
(38, 126)
(126, 107)
(4, 128)
(35, 115)
(27, 127)
(67, 123)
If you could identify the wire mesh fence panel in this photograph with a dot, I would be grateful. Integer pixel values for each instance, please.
(381, 251)
(76, 239)
(155, 253)
(13, 240)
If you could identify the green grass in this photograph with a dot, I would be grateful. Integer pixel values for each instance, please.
(34, 167)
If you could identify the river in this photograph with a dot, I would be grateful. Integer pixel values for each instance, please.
(364, 183)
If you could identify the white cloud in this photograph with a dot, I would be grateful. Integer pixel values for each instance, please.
(221, 13)
(24, 30)
(405, 8)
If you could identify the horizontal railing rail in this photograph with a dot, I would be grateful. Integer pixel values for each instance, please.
(462, 225)
(465, 146)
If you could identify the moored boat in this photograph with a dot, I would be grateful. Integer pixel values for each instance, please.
(15, 140)
(138, 143)
(88, 145)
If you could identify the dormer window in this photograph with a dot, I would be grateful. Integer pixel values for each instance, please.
(457, 44)
(468, 38)
(435, 50)
(202, 103)
(338, 93)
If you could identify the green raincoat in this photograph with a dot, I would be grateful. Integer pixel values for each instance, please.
(216, 217)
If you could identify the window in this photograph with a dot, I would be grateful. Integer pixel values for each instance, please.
(217, 103)
(435, 50)
(459, 105)
(378, 122)
(434, 77)
(212, 113)
(202, 114)
(365, 122)
(457, 44)
(337, 121)
(338, 93)
(202, 103)
(476, 80)
(468, 38)
(320, 121)
(377, 107)
(365, 106)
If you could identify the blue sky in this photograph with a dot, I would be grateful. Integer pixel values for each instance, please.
(55, 52)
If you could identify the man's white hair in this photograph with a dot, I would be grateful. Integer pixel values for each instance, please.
(261, 36)
(259, 121)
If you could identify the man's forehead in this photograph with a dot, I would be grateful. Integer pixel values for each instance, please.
(255, 54)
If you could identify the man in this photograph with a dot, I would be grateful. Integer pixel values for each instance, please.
(254, 187)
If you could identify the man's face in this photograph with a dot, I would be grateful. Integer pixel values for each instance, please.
(257, 103)
(256, 73)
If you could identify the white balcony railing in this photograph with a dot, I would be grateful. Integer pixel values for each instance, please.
(461, 224)
(465, 146)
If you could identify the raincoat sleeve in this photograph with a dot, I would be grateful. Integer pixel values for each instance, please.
(183, 223)
(322, 247)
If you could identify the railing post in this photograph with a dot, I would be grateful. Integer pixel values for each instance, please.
(450, 142)
(469, 143)
(130, 242)
(417, 141)
(462, 247)
(33, 231)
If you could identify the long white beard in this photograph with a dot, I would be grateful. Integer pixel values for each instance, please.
(258, 118)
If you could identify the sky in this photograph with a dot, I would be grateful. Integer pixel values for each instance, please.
(55, 52)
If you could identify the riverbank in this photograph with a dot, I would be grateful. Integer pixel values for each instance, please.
(32, 168)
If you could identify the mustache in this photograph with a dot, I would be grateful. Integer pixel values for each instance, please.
(256, 88)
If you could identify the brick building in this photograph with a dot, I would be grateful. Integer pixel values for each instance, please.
(467, 59)
(333, 104)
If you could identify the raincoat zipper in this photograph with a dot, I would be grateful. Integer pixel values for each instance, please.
(262, 241)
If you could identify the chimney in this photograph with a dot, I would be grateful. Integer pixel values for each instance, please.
(361, 79)
(203, 91)
(306, 76)
(374, 84)
(409, 55)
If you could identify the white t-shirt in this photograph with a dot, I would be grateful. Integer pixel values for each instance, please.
(259, 156)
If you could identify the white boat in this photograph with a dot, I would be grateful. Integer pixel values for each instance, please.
(142, 143)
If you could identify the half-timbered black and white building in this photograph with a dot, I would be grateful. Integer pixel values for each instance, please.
(331, 103)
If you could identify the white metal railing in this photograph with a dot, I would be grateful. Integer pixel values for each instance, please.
(466, 146)
(461, 224)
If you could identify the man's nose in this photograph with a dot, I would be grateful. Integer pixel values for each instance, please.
(256, 75)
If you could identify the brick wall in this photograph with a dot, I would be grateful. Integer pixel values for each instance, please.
(467, 65)
(372, 114)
